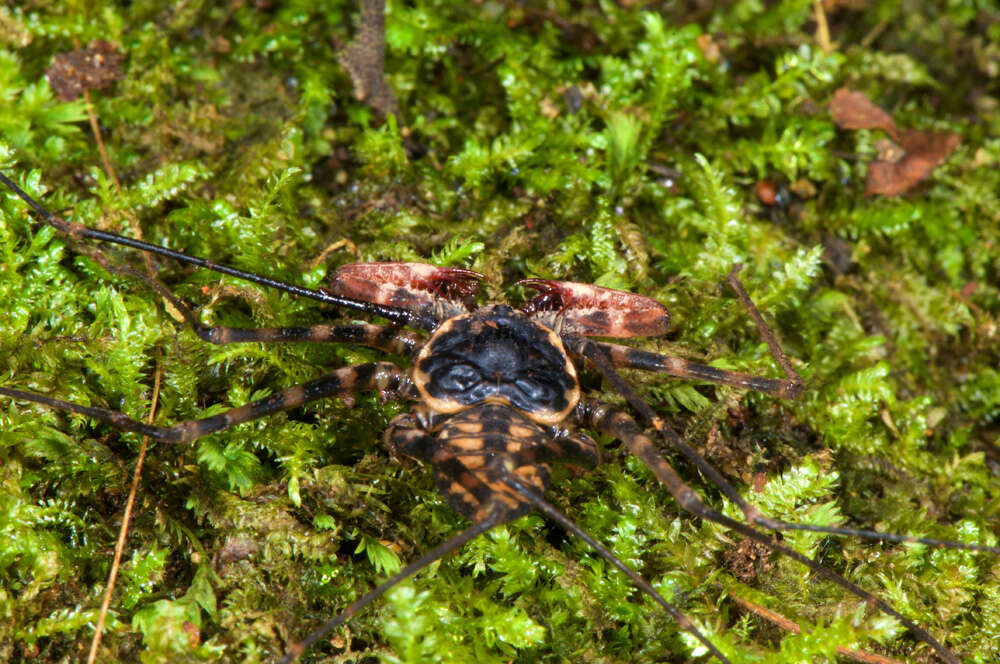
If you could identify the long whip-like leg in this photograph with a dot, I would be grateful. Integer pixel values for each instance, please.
(553, 513)
(633, 358)
(390, 338)
(616, 422)
(437, 552)
(402, 316)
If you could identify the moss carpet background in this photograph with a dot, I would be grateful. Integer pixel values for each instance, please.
(617, 143)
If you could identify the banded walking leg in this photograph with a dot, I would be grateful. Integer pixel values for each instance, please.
(791, 387)
(385, 377)
(626, 357)
(614, 421)
(598, 355)
(389, 338)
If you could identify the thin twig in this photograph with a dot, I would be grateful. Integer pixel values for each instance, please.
(123, 532)
(791, 626)
(822, 27)
(110, 170)
(100, 143)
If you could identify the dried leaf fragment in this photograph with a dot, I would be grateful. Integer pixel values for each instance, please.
(853, 110)
(903, 162)
(93, 68)
(923, 152)
(364, 60)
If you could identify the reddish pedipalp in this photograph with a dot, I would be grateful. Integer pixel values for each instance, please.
(404, 284)
(598, 312)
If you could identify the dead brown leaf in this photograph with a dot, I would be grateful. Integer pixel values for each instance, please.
(923, 152)
(93, 68)
(903, 162)
(853, 110)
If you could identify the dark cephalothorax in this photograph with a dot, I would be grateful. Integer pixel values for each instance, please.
(496, 399)
(497, 354)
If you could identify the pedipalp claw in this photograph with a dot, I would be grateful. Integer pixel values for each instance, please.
(596, 311)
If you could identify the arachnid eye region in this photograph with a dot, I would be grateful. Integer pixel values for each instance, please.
(497, 354)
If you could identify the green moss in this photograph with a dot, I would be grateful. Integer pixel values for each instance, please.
(585, 141)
